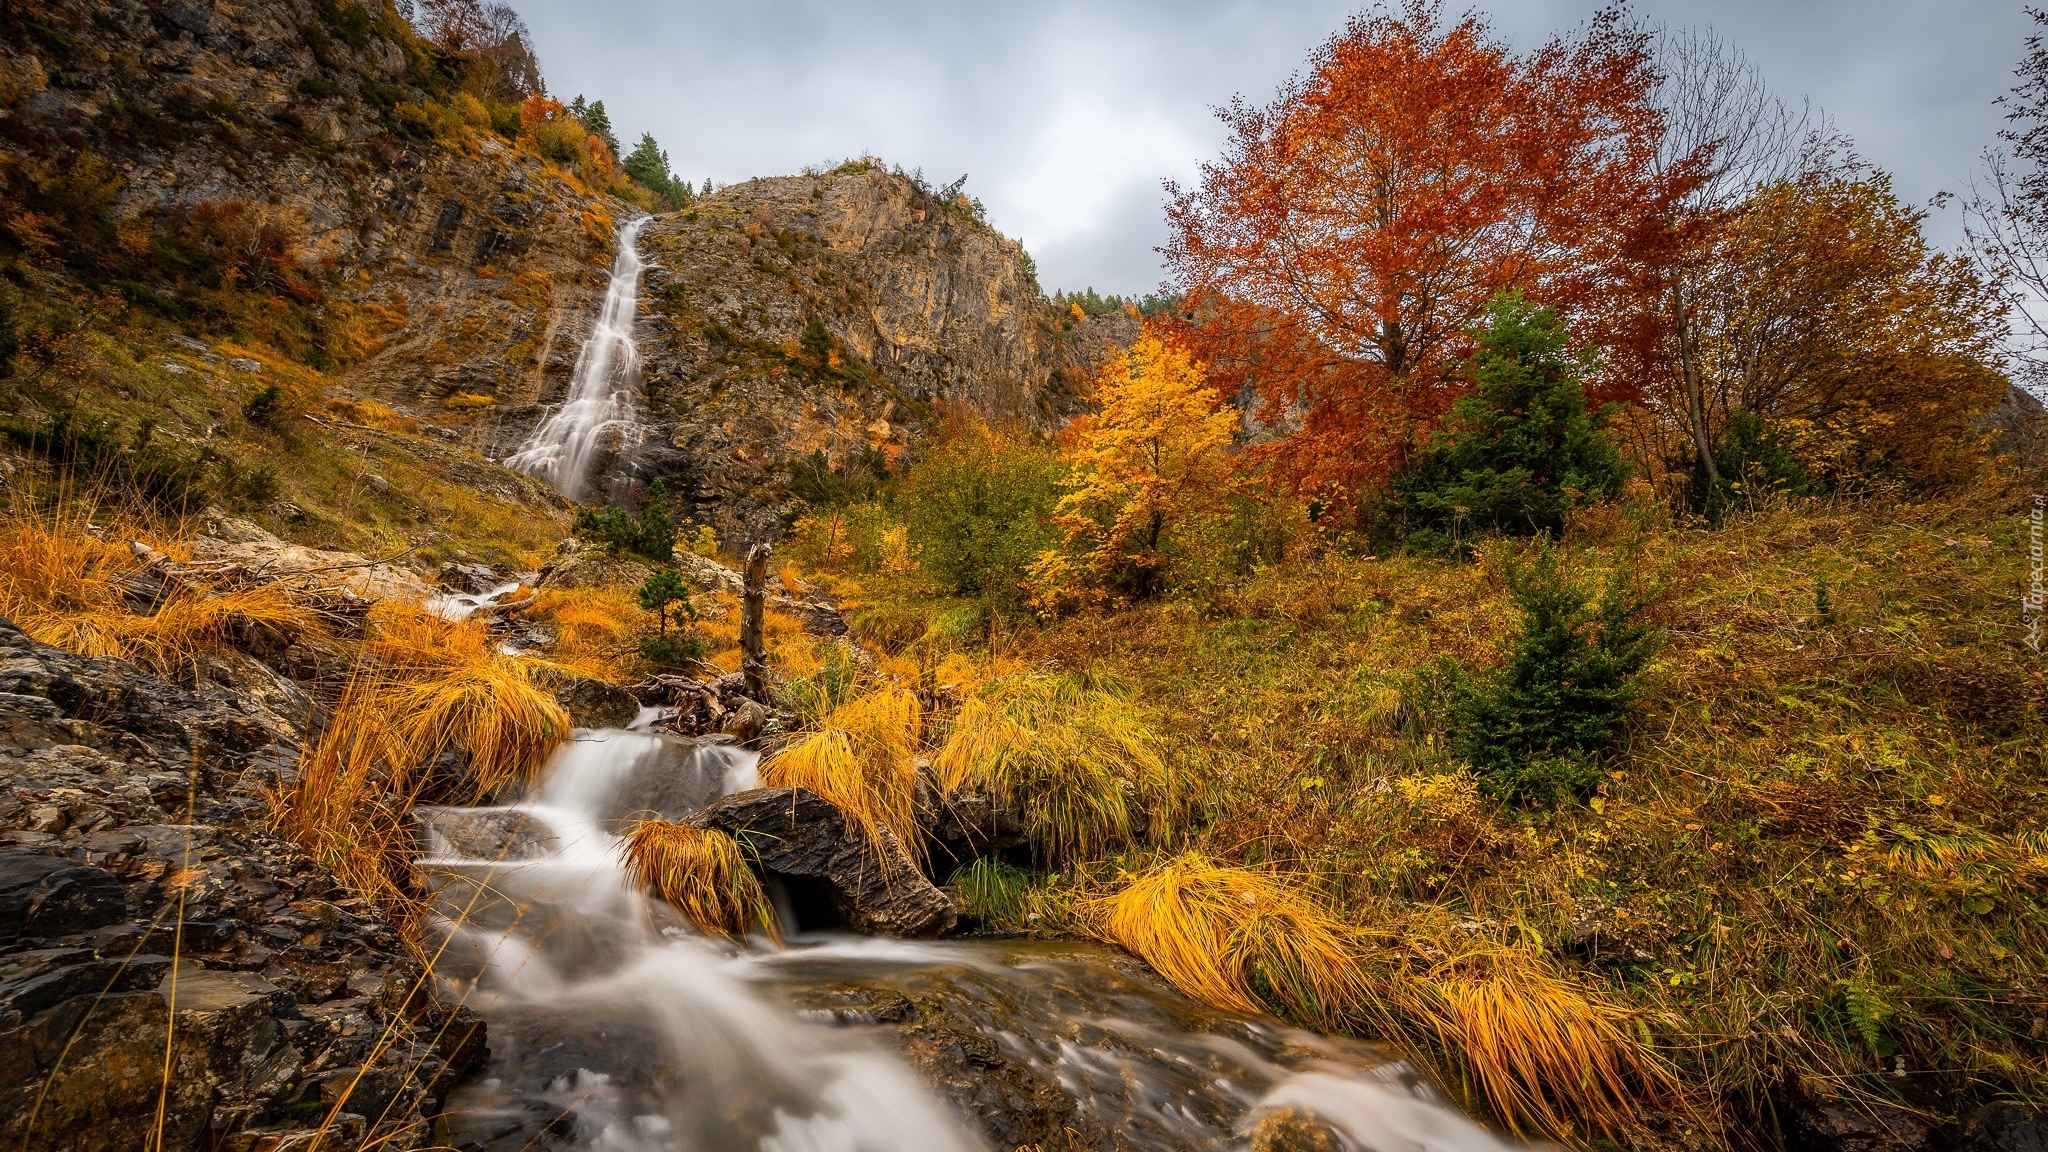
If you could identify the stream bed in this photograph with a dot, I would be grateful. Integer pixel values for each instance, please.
(615, 1026)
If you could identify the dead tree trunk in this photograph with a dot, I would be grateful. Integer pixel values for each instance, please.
(753, 638)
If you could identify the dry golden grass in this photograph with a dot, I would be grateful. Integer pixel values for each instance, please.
(862, 758)
(64, 586)
(597, 630)
(1546, 1056)
(450, 689)
(1221, 933)
(1079, 762)
(347, 805)
(703, 874)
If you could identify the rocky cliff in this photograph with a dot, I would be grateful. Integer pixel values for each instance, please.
(838, 313)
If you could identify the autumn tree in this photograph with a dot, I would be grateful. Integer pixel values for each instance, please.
(2006, 214)
(1828, 318)
(1152, 457)
(1725, 135)
(1354, 229)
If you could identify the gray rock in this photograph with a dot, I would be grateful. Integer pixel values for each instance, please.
(799, 838)
(597, 704)
(2004, 1127)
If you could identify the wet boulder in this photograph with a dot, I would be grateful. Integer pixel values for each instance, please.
(597, 704)
(41, 896)
(800, 839)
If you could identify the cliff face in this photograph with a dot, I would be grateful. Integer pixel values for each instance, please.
(426, 263)
(837, 313)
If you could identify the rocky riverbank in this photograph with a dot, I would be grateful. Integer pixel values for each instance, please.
(150, 925)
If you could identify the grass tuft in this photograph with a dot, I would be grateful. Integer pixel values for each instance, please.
(1544, 1054)
(703, 873)
(453, 691)
(1076, 759)
(1237, 938)
(863, 758)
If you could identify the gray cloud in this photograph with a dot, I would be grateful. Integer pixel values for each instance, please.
(1067, 115)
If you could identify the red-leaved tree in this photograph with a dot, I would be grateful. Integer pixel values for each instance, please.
(1335, 257)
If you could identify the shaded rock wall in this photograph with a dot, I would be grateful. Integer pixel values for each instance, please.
(146, 916)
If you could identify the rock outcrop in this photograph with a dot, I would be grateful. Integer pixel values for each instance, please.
(832, 872)
(145, 911)
(829, 316)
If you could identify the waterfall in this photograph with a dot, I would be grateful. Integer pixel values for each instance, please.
(614, 1027)
(597, 411)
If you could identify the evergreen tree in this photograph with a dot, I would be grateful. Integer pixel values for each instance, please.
(1521, 450)
(648, 164)
(595, 121)
(1532, 728)
(661, 590)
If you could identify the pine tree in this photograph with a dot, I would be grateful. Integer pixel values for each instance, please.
(1521, 450)
(648, 164)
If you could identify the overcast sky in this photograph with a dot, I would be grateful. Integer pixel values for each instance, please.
(1066, 116)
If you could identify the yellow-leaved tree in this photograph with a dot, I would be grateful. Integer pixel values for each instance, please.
(1152, 460)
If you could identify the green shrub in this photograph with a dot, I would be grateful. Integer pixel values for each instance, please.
(1521, 450)
(651, 532)
(814, 481)
(1755, 465)
(265, 408)
(90, 450)
(676, 650)
(1533, 728)
(978, 508)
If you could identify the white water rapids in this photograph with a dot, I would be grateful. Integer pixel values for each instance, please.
(615, 1027)
(597, 412)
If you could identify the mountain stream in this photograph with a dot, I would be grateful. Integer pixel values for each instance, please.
(614, 1026)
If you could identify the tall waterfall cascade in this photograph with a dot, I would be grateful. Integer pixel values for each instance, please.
(597, 412)
(614, 1026)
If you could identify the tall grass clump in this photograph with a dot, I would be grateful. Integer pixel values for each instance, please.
(69, 588)
(703, 874)
(1237, 938)
(1540, 1051)
(347, 805)
(995, 893)
(1075, 758)
(452, 690)
(863, 758)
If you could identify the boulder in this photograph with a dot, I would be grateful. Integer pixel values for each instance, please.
(597, 704)
(797, 837)
(235, 551)
(132, 828)
(593, 568)
(45, 896)
(2004, 1127)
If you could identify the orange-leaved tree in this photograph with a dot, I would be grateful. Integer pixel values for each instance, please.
(1337, 255)
(1152, 458)
(1827, 316)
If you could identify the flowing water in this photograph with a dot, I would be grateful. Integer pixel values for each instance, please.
(613, 1026)
(597, 413)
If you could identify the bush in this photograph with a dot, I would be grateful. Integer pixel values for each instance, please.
(665, 595)
(91, 451)
(1755, 464)
(978, 509)
(650, 533)
(676, 650)
(265, 409)
(1520, 451)
(1533, 728)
